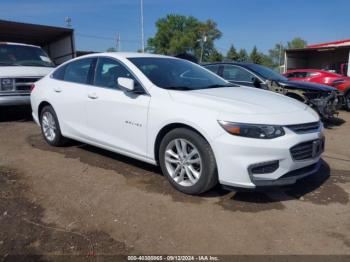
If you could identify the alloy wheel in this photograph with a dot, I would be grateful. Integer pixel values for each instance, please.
(49, 126)
(183, 162)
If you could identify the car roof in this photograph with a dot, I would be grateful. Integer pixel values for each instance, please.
(230, 63)
(127, 55)
(21, 44)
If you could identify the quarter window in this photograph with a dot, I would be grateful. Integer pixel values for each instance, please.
(236, 74)
(59, 73)
(107, 73)
(78, 71)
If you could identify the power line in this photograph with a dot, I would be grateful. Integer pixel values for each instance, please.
(106, 38)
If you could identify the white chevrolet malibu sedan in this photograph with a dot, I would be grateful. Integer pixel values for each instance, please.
(199, 128)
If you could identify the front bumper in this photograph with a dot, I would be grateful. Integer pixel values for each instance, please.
(236, 155)
(291, 177)
(15, 100)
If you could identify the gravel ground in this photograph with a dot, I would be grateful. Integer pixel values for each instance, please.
(87, 201)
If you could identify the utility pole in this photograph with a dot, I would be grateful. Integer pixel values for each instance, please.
(118, 48)
(203, 40)
(142, 32)
(280, 58)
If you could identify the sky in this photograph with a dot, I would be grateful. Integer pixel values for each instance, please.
(244, 23)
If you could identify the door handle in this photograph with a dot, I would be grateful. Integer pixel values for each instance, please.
(92, 95)
(57, 89)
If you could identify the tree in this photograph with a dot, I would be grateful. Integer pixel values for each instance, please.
(111, 49)
(276, 55)
(267, 61)
(297, 42)
(242, 56)
(232, 53)
(215, 56)
(178, 34)
(255, 56)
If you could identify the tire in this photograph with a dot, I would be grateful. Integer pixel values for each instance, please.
(195, 175)
(347, 101)
(49, 121)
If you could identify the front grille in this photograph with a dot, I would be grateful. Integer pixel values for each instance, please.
(23, 84)
(307, 150)
(305, 128)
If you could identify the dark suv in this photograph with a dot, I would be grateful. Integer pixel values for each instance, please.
(324, 99)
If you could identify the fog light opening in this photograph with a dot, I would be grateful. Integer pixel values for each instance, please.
(264, 168)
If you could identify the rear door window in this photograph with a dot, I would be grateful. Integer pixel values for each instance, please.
(213, 68)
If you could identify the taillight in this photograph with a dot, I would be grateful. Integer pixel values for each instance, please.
(32, 86)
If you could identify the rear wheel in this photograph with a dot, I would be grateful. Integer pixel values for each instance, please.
(50, 127)
(347, 101)
(188, 161)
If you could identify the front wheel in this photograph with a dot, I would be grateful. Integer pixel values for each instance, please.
(50, 127)
(188, 161)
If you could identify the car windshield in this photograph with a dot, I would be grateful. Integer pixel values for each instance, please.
(178, 74)
(21, 55)
(266, 73)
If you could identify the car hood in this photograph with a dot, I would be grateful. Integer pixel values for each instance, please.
(247, 105)
(243, 100)
(24, 71)
(307, 86)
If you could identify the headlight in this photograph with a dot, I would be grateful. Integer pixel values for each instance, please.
(252, 130)
(7, 84)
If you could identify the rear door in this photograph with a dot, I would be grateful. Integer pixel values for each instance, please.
(69, 96)
(117, 119)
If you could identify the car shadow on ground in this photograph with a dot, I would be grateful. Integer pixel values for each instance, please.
(15, 114)
(320, 188)
(317, 188)
(268, 195)
(119, 158)
(333, 122)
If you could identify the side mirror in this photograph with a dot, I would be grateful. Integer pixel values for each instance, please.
(126, 84)
(256, 82)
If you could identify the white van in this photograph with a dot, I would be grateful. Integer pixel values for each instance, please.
(20, 66)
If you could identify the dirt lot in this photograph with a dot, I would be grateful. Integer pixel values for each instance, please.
(83, 200)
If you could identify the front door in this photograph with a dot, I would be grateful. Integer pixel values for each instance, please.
(116, 119)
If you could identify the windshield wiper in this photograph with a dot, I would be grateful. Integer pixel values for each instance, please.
(218, 86)
(182, 88)
(9, 64)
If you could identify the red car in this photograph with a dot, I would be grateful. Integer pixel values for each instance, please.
(340, 82)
